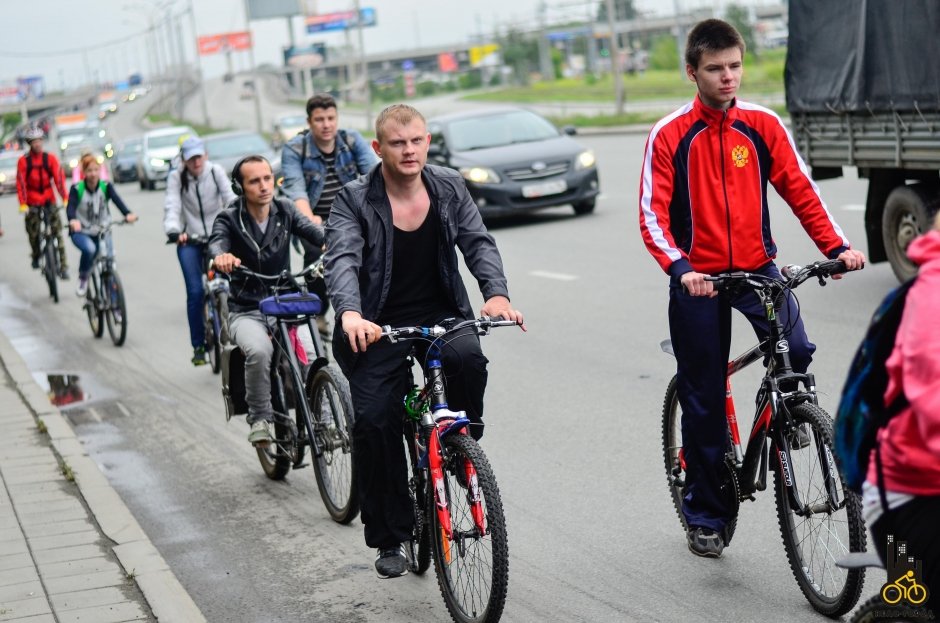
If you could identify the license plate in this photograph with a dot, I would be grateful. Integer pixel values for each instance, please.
(531, 191)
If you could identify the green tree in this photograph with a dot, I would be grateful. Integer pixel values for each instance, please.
(521, 53)
(738, 16)
(663, 54)
(623, 9)
(11, 121)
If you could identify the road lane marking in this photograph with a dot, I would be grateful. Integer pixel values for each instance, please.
(854, 207)
(556, 276)
(123, 409)
(94, 414)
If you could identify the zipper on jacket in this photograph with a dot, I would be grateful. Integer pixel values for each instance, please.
(202, 214)
(724, 185)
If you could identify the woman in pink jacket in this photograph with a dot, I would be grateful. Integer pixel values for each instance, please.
(910, 443)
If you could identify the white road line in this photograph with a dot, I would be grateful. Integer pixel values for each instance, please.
(854, 207)
(94, 414)
(556, 276)
(123, 409)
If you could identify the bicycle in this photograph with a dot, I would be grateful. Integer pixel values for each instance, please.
(453, 489)
(819, 517)
(320, 399)
(104, 298)
(49, 266)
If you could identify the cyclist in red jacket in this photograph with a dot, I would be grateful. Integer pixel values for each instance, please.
(703, 210)
(37, 172)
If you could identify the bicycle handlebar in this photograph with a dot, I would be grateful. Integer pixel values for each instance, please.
(793, 275)
(483, 325)
(174, 239)
(284, 276)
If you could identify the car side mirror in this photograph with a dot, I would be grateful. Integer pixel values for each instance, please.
(570, 130)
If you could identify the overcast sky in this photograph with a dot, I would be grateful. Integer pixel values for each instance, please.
(52, 27)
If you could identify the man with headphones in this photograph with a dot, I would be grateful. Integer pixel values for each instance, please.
(255, 231)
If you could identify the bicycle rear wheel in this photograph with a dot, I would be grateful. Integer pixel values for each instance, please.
(50, 269)
(116, 308)
(213, 346)
(876, 610)
(675, 467)
(419, 554)
(332, 412)
(822, 532)
(472, 569)
(277, 457)
(95, 315)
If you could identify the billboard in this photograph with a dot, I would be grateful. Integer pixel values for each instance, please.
(484, 55)
(312, 55)
(225, 42)
(268, 9)
(31, 87)
(340, 20)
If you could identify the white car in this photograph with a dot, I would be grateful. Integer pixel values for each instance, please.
(159, 148)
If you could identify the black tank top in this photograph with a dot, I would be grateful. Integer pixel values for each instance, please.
(415, 292)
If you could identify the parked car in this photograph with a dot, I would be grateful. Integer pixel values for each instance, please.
(124, 163)
(227, 148)
(287, 127)
(8, 160)
(157, 151)
(515, 161)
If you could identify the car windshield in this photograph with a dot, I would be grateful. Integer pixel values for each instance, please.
(9, 162)
(226, 146)
(73, 137)
(166, 140)
(290, 122)
(131, 148)
(518, 126)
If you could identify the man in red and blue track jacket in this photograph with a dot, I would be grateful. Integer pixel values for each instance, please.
(704, 210)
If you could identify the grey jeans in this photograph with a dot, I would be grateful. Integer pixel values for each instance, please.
(250, 334)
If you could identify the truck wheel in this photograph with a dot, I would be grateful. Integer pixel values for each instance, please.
(908, 213)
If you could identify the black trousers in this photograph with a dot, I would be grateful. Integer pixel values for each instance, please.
(915, 523)
(378, 380)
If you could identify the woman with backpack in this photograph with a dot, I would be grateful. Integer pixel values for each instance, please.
(196, 193)
(901, 494)
(87, 212)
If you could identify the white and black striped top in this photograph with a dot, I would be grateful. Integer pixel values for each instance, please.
(331, 186)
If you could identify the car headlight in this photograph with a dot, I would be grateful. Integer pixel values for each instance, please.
(3, 178)
(64, 145)
(157, 162)
(480, 175)
(73, 162)
(101, 133)
(585, 160)
(100, 159)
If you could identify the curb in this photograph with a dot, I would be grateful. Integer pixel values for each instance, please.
(166, 597)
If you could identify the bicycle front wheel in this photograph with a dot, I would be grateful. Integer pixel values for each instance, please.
(92, 307)
(332, 413)
(117, 308)
(472, 568)
(826, 528)
(49, 269)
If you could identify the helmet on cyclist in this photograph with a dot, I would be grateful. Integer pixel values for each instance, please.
(32, 134)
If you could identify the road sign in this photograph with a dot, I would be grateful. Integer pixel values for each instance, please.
(340, 20)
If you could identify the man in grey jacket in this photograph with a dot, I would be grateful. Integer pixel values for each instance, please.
(391, 259)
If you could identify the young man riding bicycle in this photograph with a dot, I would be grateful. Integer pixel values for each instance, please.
(391, 260)
(255, 232)
(37, 173)
(704, 210)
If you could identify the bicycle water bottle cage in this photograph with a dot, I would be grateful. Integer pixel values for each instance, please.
(291, 304)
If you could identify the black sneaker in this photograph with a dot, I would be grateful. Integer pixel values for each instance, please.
(391, 562)
(200, 358)
(64, 274)
(705, 542)
(35, 263)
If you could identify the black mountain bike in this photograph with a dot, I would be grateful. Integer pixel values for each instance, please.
(312, 404)
(49, 266)
(104, 298)
(820, 518)
(458, 510)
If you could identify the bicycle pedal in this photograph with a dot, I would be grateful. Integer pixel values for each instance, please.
(302, 465)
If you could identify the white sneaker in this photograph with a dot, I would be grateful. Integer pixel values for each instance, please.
(82, 287)
(260, 434)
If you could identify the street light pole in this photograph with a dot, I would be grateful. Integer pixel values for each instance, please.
(202, 87)
(615, 57)
(256, 79)
(365, 67)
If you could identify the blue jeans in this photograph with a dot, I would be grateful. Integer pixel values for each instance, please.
(88, 245)
(192, 261)
(700, 328)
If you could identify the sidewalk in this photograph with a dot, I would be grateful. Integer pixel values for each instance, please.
(70, 550)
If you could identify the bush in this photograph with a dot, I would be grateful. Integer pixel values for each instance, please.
(470, 80)
(664, 54)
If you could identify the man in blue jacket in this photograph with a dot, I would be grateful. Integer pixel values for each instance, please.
(317, 163)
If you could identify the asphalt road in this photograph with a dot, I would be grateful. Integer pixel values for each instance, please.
(573, 429)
